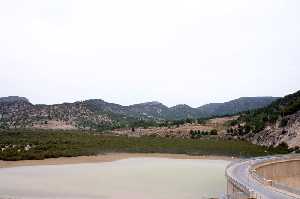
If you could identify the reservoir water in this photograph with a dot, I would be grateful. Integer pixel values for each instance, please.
(133, 178)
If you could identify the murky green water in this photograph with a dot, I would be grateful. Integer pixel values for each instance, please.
(134, 178)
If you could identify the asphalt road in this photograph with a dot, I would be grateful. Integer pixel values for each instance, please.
(240, 172)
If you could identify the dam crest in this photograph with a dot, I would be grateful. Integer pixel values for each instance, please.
(271, 177)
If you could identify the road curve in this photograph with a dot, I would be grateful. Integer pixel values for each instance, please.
(240, 173)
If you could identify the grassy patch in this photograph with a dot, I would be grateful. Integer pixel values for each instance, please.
(20, 145)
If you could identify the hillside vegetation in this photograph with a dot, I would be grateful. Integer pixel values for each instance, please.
(20, 145)
(278, 123)
(256, 120)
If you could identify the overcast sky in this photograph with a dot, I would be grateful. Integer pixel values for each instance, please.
(132, 51)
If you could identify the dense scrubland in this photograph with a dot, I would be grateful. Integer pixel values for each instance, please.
(24, 144)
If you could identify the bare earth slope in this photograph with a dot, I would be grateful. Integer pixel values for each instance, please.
(182, 131)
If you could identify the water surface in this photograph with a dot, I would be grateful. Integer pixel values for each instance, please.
(133, 178)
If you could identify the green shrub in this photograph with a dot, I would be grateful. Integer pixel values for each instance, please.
(46, 144)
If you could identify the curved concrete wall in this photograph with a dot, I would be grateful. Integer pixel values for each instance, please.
(286, 172)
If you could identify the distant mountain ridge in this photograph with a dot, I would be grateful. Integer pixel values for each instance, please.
(18, 112)
(238, 105)
(157, 110)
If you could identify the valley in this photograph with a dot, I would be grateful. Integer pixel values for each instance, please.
(93, 127)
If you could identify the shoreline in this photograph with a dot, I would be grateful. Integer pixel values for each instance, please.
(109, 157)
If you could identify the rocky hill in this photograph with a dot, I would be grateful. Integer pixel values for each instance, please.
(183, 111)
(18, 112)
(12, 99)
(273, 125)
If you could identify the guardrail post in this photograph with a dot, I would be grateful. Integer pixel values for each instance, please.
(252, 194)
(269, 182)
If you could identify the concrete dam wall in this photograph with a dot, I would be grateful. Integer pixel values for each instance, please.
(272, 177)
(286, 172)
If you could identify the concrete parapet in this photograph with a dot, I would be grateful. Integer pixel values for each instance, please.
(251, 178)
(279, 172)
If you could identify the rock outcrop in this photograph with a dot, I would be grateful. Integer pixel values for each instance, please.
(286, 129)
